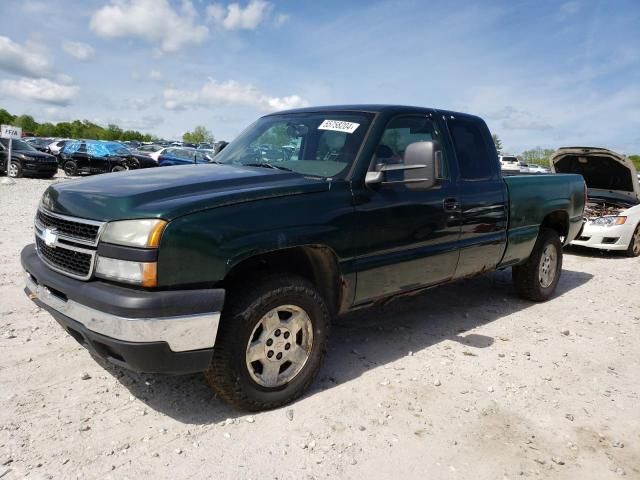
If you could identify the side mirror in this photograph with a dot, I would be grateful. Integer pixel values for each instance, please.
(417, 171)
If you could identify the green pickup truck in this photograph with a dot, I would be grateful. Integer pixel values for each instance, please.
(236, 268)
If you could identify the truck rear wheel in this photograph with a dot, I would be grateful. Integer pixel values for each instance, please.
(538, 278)
(271, 343)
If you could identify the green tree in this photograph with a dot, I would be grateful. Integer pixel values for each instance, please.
(636, 161)
(6, 118)
(113, 132)
(537, 155)
(26, 122)
(63, 129)
(497, 142)
(46, 130)
(199, 134)
(73, 129)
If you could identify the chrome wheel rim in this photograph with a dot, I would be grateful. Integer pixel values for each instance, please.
(548, 266)
(636, 241)
(13, 170)
(279, 346)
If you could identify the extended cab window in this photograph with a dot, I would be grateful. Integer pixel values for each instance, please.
(475, 157)
(401, 132)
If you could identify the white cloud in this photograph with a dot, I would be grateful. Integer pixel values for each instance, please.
(234, 17)
(512, 118)
(79, 50)
(570, 8)
(215, 93)
(146, 122)
(34, 6)
(29, 59)
(154, 21)
(39, 90)
(155, 75)
(64, 79)
(282, 18)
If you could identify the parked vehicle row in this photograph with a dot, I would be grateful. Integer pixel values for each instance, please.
(511, 165)
(42, 157)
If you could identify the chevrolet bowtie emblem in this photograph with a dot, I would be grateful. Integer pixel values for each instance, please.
(50, 236)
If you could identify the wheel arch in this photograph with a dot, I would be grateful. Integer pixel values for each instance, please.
(557, 220)
(316, 263)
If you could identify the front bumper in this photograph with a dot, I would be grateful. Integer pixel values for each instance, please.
(616, 237)
(147, 331)
(39, 168)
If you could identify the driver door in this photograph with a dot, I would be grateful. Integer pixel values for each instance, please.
(408, 236)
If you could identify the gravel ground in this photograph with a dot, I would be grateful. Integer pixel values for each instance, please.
(463, 381)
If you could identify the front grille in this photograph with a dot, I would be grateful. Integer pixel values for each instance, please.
(72, 243)
(70, 261)
(76, 229)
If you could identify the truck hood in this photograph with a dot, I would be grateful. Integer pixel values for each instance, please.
(605, 172)
(170, 192)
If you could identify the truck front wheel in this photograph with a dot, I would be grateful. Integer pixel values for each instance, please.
(271, 343)
(538, 277)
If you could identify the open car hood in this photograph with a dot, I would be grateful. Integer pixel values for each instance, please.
(604, 171)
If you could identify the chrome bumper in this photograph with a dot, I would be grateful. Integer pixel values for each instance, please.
(181, 333)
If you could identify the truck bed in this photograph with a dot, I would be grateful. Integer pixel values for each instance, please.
(531, 199)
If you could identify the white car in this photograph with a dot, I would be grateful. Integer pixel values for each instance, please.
(612, 212)
(509, 164)
(56, 146)
(533, 168)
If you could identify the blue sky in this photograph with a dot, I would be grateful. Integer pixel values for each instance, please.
(542, 73)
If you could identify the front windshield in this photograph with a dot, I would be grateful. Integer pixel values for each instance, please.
(18, 145)
(321, 144)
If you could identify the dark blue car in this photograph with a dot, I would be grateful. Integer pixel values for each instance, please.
(181, 156)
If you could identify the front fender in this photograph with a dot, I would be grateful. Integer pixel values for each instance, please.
(201, 248)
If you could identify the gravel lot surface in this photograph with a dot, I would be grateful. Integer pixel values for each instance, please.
(463, 381)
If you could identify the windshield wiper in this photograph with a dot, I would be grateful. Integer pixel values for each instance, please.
(267, 165)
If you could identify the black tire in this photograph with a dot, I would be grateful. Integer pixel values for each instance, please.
(527, 277)
(16, 170)
(70, 168)
(118, 168)
(634, 245)
(134, 164)
(228, 374)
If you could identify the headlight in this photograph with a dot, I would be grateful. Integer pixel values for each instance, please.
(608, 221)
(139, 273)
(134, 233)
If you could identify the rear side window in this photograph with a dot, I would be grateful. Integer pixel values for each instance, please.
(475, 157)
